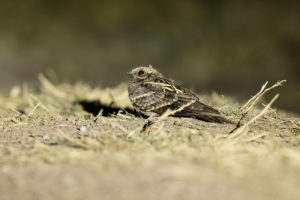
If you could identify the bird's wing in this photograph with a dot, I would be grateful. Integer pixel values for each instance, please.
(154, 96)
(195, 108)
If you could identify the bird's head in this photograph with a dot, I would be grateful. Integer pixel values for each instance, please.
(144, 74)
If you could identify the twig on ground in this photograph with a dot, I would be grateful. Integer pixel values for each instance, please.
(247, 106)
(251, 102)
(42, 105)
(50, 87)
(164, 116)
(35, 107)
(172, 112)
(254, 98)
(98, 115)
(147, 125)
(256, 137)
(17, 112)
(245, 127)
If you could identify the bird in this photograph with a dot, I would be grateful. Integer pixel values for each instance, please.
(152, 94)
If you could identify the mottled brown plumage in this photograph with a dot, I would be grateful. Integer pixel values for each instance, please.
(153, 94)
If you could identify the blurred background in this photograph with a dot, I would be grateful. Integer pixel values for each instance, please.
(231, 47)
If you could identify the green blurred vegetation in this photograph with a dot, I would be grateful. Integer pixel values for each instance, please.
(231, 47)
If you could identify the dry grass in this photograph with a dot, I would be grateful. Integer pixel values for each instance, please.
(50, 148)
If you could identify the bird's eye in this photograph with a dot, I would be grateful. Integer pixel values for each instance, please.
(141, 73)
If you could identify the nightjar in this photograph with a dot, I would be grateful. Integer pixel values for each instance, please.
(152, 94)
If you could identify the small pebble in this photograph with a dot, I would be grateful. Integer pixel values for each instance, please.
(83, 129)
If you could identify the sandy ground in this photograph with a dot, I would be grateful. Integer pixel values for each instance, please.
(53, 147)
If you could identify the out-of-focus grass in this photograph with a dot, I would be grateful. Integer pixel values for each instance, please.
(50, 146)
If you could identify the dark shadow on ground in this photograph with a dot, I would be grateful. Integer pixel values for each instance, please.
(94, 107)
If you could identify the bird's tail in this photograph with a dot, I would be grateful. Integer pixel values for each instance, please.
(211, 117)
(203, 112)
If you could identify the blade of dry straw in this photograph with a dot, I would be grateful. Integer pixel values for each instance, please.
(244, 128)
